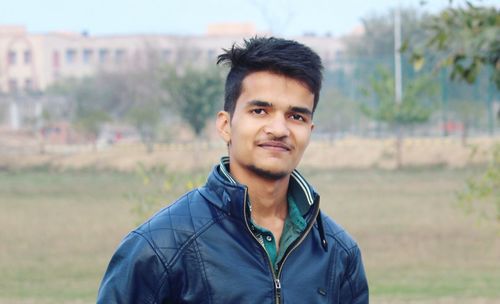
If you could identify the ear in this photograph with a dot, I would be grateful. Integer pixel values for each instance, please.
(223, 124)
(312, 126)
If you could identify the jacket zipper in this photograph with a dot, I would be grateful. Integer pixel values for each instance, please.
(302, 237)
(277, 282)
(277, 286)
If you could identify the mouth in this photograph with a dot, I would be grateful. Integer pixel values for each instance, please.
(275, 146)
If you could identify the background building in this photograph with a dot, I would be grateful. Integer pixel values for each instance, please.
(31, 62)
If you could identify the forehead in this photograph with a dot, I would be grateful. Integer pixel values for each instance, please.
(275, 88)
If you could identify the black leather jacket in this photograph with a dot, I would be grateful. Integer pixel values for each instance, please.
(200, 250)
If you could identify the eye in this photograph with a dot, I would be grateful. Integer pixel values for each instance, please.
(297, 117)
(258, 111)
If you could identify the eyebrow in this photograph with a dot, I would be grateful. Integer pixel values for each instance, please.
(259, 103)
(301, 110)
(266, 104)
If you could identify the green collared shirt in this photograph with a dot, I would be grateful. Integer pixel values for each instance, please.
(294, 225)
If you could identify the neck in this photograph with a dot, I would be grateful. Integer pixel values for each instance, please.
(267, 196)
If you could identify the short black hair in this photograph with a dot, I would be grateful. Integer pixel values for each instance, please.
(283, 57)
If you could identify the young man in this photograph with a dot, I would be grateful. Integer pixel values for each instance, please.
(254, 233)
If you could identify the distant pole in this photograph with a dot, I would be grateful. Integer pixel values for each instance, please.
(491, 109)
(14, 116)
(38, 114)
(398, 88)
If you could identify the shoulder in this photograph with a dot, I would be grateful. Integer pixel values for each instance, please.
(140, 268)
(175, 226)
(337, 234)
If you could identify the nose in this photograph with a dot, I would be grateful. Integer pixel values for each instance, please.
(277, 127)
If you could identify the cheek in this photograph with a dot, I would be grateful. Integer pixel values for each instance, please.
(247, 129)
(302, 136)
(241, 138)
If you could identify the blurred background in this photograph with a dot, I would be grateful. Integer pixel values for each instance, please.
(107, 114)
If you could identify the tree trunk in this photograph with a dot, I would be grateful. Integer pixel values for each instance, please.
(147, 141)
(150, 146)
(465, 133)
(41, 143)
(93, 140)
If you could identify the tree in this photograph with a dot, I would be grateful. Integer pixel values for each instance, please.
(145, 119)
(484, 188)
(377, 40)
(196, 94)
(336, 113)
(89, 122)
(467, 39)
(132, 94)
(467, 112)
(373, 49)
(88, 111)
(147, 100)
(408, 113)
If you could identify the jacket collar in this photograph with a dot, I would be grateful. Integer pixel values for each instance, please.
(226, 193)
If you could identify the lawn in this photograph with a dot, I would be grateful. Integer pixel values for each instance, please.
(59, 229)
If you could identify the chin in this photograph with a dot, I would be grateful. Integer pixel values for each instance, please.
(270, 174)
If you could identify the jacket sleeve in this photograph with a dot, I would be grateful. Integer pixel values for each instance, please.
(135, 274)
(354, 289)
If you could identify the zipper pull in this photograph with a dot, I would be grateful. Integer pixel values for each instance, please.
(277, 285)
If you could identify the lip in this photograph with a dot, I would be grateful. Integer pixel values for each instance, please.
(275, 146)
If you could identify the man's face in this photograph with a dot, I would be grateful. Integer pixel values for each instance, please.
(270, 127)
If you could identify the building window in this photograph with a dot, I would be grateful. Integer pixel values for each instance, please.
(28, 84)
(87, 56)
(103, 55)
(119, 56)
(166, 54)
(11, 58)
(55, 60)
(12, 85)
(27, 57)
(70, 56)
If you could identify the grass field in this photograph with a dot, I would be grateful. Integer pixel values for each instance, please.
(59, 229)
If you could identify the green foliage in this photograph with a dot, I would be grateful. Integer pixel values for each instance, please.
(467, 111)
(145, 119)
(467, 39)
(145, 102)
(160, 187)
(196, 94)
(410, 111)
(89, 121)
(141, 97)
(335, 112)
(104, 92)
(482, 194)
(89, 101)
(132, 94)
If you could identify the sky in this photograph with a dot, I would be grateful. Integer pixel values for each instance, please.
(191, 17)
